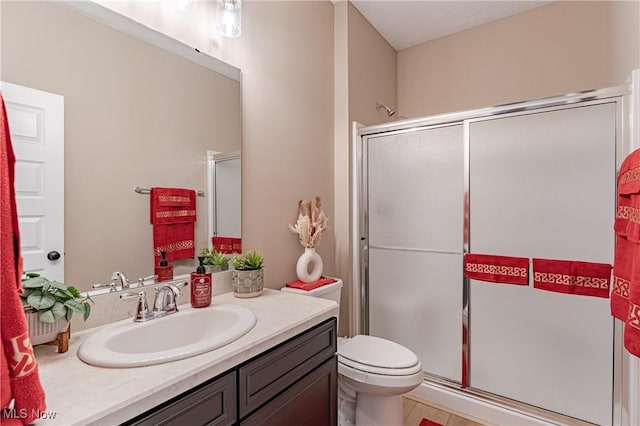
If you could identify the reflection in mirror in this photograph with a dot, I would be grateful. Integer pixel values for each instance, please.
(134, 115)
(225, 187)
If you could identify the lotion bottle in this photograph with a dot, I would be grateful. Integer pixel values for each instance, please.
(200, 286)
(164, 271)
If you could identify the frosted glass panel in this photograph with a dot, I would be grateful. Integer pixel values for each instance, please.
(542, 185)
(416, 186)
(228, 200)
(416, 300)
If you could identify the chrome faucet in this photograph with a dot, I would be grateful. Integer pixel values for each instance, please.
(165, 301)
(142, 311)
(124, 282)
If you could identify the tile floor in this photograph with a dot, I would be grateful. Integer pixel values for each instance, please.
(414, 411)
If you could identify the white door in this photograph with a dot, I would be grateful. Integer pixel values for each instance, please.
(36, 122)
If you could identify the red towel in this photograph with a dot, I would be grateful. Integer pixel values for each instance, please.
(573, 277)
(312, 285)
(625, 297)
(497, 269)
(19, 377)
(173, 219)
(427, 422)
(237, 245)
(622, 266)
(223, 245)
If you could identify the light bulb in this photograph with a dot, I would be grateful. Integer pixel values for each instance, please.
(229, 17)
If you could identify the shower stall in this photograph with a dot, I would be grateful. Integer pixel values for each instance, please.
(535, 179)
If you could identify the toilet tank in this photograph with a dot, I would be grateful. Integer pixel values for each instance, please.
(328, 291)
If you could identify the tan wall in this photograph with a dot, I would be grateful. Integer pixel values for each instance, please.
(372, 72)
(135, 115)
(286, 56)
(365, 73)
(561, 47)
(341, 139)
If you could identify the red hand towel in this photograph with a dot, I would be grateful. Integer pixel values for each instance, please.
(310, 286)
(237, 245)
(223, 244)
(173, 222)
(167, 212)
(622, 267)
(629, 176)
(497, 269)
(19, 377)
(573, 277)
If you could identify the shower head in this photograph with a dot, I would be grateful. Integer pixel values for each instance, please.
(390, 112)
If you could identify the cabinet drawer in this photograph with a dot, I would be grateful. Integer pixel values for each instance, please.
(312, 401)
(267, 376)
(211, 404)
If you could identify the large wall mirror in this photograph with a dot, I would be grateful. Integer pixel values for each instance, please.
(135, 115)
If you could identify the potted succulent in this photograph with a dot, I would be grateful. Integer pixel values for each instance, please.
(248, 278)
(214, 261)
(49, 306)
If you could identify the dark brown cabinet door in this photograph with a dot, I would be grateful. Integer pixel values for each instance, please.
(312, 401)
(212, 404)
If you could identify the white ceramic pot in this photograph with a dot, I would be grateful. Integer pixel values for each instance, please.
(309, 260)
(43, 332)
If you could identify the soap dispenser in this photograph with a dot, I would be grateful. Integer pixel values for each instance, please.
(164, 271)
(200, 286)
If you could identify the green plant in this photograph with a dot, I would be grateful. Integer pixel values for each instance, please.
(212, 257)
(249, 261)
(52, 300)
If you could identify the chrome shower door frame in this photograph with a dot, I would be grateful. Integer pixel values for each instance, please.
(361, 135)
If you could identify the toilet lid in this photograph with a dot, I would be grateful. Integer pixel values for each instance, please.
(371, 351)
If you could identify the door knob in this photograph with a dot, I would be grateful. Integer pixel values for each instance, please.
(53, 255)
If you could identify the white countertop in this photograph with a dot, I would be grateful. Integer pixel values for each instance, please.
(81, 394)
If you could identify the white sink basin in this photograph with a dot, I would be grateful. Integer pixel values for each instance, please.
(181, 335)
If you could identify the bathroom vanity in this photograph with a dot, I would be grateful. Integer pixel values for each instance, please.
(282, 371)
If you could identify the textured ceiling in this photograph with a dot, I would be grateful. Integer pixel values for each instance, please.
(409, 23)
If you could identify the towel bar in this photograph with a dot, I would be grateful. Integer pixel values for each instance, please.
(148, 191)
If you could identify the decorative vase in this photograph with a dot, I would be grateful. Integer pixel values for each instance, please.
(247, 283)
(309, 259)
(43, 332)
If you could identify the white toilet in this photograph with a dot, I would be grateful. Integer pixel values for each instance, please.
(373, 373)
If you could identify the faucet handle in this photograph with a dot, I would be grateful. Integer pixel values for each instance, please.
(142, 280)
(112, 287)
(142, 311)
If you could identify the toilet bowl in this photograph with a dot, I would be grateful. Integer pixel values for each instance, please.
(373, 373)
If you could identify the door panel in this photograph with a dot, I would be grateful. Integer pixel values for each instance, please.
(416, 185)
(416, 201)
(543, 185)
(415, 300)
(36, 121)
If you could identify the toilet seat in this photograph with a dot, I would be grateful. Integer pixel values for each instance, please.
(373, 355)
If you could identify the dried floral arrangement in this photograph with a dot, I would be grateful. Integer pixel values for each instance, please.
(311, 223)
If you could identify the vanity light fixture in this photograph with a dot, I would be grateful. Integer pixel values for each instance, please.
(229, 17)
(186, 4)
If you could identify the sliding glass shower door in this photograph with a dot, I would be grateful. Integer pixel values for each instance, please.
(530, 183)
(416, 188)
(542, 185)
